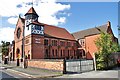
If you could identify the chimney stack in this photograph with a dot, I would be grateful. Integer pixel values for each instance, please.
(108, 24)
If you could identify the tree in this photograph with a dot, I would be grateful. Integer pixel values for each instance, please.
(106, 46)
(5, 48)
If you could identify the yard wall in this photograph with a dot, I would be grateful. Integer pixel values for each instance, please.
(49, 64)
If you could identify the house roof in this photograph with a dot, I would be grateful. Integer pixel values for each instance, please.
(31, 11)
(54, 31)
(50, 30)
(23, 20)
(57, 32)
(91, 31)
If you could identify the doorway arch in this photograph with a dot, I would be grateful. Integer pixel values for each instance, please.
(17, 52)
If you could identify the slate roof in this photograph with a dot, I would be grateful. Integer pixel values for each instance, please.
(91, 31)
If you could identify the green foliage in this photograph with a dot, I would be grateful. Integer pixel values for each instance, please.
(118, 49)
(106, 46)
(5, 48)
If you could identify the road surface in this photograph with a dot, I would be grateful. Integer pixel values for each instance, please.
(10, 74)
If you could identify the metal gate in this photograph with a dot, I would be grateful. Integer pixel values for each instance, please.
(79, 65)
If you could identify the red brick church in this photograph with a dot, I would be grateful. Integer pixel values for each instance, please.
(86, 39)
(42, 41)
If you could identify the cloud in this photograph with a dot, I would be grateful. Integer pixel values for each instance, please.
(46, 9)
(87, 0)
(6, 34)
(13, 20)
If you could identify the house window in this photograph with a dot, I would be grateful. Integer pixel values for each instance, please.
(74, 44)
(82, 43)
(46, 52)
(68, 53)
(74, 53)
(68, 44)
(56, 52)
(54, 42)
(46, 42)
(61, 53)
(62, 43)
(53, 52)
(28, 28)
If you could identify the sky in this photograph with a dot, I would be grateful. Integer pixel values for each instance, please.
(73, 15)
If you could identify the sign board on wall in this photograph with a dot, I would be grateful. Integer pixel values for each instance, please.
(37, 40)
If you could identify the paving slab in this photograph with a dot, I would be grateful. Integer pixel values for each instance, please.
(33, 72)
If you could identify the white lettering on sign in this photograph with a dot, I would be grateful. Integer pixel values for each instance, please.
(37, 40)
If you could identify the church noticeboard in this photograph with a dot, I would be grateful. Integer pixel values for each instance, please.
(37, 40)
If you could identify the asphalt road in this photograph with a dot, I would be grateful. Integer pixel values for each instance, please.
(8, 74)
(11, 75)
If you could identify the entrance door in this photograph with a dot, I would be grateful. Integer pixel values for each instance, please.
(18, 56)
(46, 53)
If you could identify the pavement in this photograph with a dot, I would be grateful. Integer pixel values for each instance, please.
(93, 74)
(43, 73)
(31, 72)
(112, 74)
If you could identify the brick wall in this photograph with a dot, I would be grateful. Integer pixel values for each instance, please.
(91, 46)
(37, 47)
(47, 64)
(18, 41)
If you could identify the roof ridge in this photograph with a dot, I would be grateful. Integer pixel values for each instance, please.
(54, 26)
(51, 25)
(90, 28)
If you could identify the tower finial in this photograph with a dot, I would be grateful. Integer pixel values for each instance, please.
(19, 16)
(32, 3)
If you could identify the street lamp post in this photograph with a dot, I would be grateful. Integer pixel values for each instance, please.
(94, 59)
(23, 46)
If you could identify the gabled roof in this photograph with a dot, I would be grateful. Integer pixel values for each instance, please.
(20, 20)
(91, 31)
(31, 11)
(57, 32)
(23, 20)
(54, 31)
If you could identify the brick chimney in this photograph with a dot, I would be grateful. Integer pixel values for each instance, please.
(108, 24)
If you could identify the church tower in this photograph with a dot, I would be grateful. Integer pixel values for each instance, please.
(34, 35)
(30, 16)
(31, 23)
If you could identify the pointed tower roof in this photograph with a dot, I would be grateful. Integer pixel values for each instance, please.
(31, 11)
